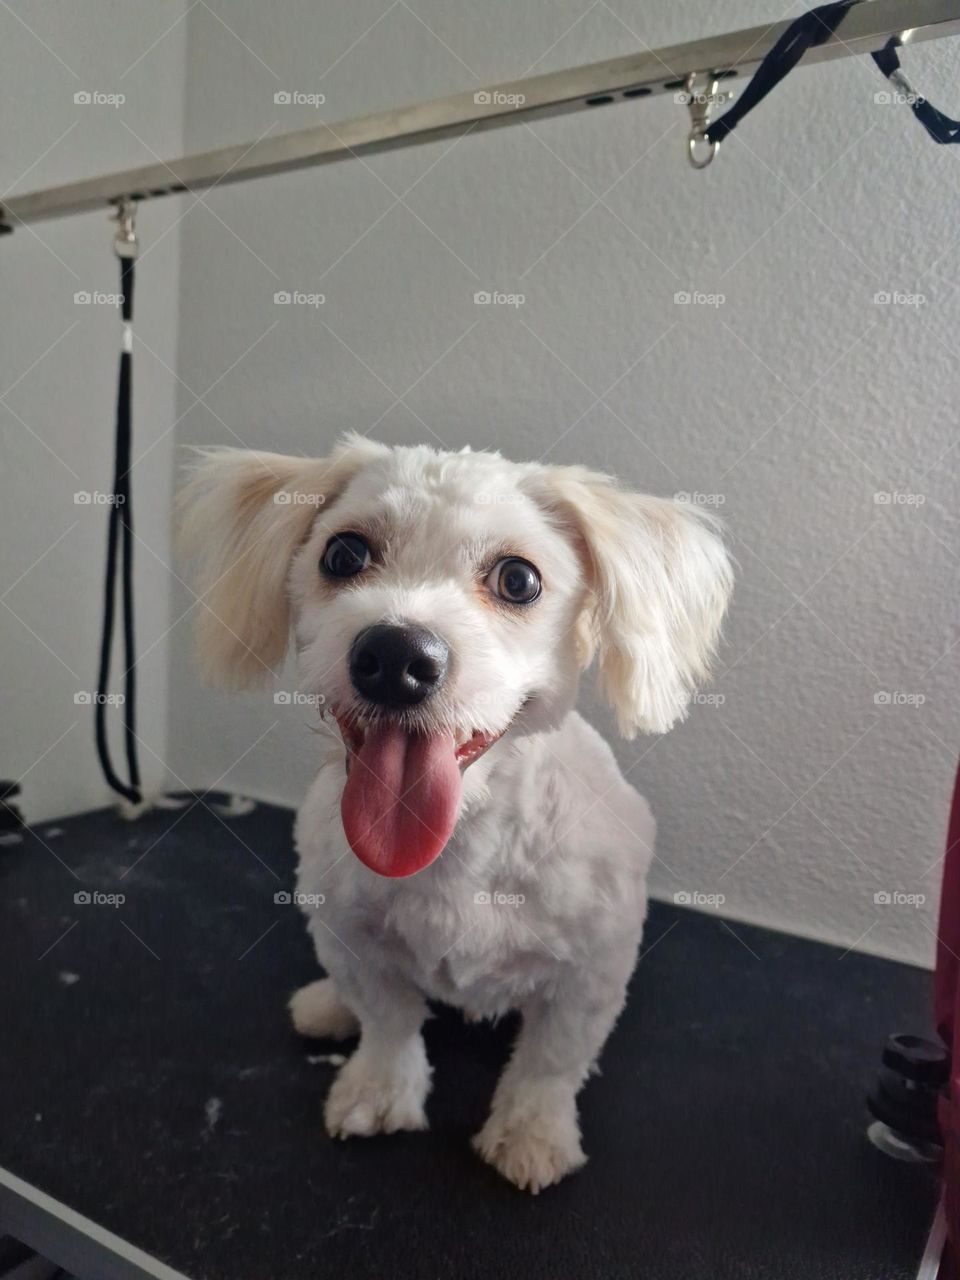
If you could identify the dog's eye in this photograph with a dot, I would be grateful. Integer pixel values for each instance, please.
(515, 581)
(345, 555)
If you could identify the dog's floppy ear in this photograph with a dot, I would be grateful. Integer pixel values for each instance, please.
(659, 580)
(243, 514)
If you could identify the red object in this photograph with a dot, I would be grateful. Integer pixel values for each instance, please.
(946, 1009)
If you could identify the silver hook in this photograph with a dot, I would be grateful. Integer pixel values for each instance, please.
(125, 243)
(909, 93)
(701, 103)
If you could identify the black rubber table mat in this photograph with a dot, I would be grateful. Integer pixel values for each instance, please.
(150, 1080)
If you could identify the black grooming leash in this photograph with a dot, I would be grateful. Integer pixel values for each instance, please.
(940, 127)
(120, 539)
(812, 29)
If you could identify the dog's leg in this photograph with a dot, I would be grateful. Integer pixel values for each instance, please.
(532, 1135)
(317, 1010)
(384, 1085)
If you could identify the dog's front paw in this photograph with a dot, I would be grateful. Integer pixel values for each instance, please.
(532, 1142)
(371, 1097)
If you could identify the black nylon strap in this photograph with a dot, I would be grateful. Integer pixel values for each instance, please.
(940, 127)
(126, 289)
(810, 29)
(120, 543)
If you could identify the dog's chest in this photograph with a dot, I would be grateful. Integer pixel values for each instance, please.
(472, 930)
(480, 954)
(526, 881)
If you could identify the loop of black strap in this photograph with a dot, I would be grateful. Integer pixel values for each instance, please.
(940, 127)
(810, 29)
(120, 546)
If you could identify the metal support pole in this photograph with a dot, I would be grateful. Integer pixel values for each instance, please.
(866, 28)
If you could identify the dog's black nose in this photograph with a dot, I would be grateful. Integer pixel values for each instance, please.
(397, 666)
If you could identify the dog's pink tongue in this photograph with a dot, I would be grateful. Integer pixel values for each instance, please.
(401, 800)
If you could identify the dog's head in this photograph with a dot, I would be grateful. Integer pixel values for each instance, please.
(442, 600)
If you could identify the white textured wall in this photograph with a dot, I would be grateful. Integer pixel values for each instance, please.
(58, 383)
(799, 797)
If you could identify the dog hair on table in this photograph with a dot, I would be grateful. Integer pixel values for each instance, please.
(469, 837)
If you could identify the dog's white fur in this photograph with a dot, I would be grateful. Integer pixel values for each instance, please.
(538, 900)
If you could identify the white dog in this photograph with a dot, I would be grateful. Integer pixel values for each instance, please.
(471, 839)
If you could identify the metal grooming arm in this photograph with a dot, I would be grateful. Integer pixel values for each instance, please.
(866, 28)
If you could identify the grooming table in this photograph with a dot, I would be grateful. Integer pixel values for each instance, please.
(158, 1115)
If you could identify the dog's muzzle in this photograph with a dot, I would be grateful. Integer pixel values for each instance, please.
(404, 779)
(396, 665)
